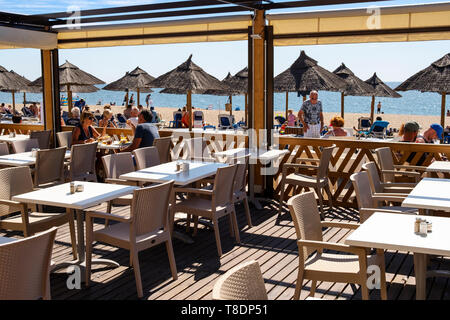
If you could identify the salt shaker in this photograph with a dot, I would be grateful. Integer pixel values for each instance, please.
(417, 225)
(423, 227)
(72, 187)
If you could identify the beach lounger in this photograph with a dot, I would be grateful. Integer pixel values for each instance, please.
(199, 118)
(226, 121)
(176, 122)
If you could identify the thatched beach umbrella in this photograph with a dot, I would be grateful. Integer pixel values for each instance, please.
(27, 88)
(435, 78)
(355, 86)
(12, 82)
(380, 90)
(237, 85)
(187, 78)
(137, 80)
(305, 75)
(73, 78)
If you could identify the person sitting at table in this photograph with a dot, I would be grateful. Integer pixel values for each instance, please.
(85, 132)
(74, 119)
(145, 132)
(133, 120)
(337, 130)
(409, 131)
(107, 121)
(185, 118)
(34, 109)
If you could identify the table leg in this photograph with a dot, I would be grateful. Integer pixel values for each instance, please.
(420, 272)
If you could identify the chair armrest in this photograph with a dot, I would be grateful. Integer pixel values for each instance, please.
(11, 203)
(299, 165)
(109, 216)
(345, 225)
(397, 190)
(194, 190)
(404, 173)
(307, 160)
(418, 168)
(395, 197)
(121, 181)
(331, 246)
(399, 184)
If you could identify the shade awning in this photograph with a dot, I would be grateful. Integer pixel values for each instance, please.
(229, 28)
(389, 24)
(11, 38)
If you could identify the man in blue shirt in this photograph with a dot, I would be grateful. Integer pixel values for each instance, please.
(144, 133)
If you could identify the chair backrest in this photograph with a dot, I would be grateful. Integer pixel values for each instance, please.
(197, 148)
(14, 181)
(364, 123)
(49, 166)
(375, 181)
(243, 282)
(386, 162)
(4, 150)
(224, 186)
(240, 179)
(43, 138)
(118, 163)
(25, 270)
(306, 218)
(361, 184)
(82, 162)
(163, 146)
(25, 145)
(64, 139)
(198, 115)
(150, 207)
(146, 157)
(324, 164)
(224, 120)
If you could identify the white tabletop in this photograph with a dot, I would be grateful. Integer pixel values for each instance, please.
(439, 166)
(430, 193)
(392, 231)
(7, 138)
(94, 193)
(113, 146)
(167, 171)
(236, 152)
(266, 155)
(4, 240)
(22, 159)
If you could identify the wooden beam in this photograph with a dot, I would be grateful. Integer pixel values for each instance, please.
(443, 109)
(47, 92)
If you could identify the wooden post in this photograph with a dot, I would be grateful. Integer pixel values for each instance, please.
(342, 104)
(50, 84)
(443, 110)
(372, 109)
(14, 101)
(69, 99)
(246, 109)
(287, 104)
(231, 103)
(24, 98)
(189, 107)
(138, 97)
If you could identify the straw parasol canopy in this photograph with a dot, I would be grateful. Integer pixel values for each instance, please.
(74, 79)
(187, 78)
(355, 86)
(380, 90)
(305, 75)
(137, 80)
(13, 82)
(237, 85)
(435, 78)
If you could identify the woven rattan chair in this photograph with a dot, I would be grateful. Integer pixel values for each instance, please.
(317, 265)
(25, 145)
(64, 139)
(146, 157)
(319, 182)
(4, 149)
(146, 227)
(389, 170)
(25, 267)
(15, 181)
(243, 282)
(370, 202)
(82, 162)
(163, 146)
(49, 169)
(381, 187)
(240, 185)
(43, 138)
(219, 203)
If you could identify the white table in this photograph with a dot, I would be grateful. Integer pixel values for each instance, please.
(59, 196)
(167, 171)
(22, 159)
(7, 138)
(391, 231)
(439, 166)
(4, 240)
(115, 145)
(430, 194)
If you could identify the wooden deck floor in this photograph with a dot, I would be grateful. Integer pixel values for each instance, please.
(272, 244)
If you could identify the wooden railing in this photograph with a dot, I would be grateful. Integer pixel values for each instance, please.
(19, 128)
(348, 158)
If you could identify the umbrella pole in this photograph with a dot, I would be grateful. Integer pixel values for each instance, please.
(189, 107)
(443, 110)
(24, 98)
(372, 108)
(69, 98)
(138, 97)
(14, 101)
(287, 104)
(231, 105)
(342, 105)
(126, 102)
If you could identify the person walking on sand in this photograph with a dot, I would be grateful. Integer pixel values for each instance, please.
(311, 116)
(379, 107)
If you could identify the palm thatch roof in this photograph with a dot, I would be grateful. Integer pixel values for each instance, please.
(305, 75)
(70, 74)
(27, 82)
(355, 86)
(435, 78)
(11, 81)
(135, 80)
(185, 77)
(237, 84)
(380, 88)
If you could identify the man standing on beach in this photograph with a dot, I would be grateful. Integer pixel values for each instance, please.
(379, 107)
(311, 116)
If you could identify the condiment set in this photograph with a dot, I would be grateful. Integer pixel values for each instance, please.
(422, 227)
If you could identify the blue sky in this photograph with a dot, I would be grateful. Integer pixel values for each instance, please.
(391, 61)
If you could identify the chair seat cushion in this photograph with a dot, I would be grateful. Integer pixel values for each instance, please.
(199, 206)
(331, 262)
